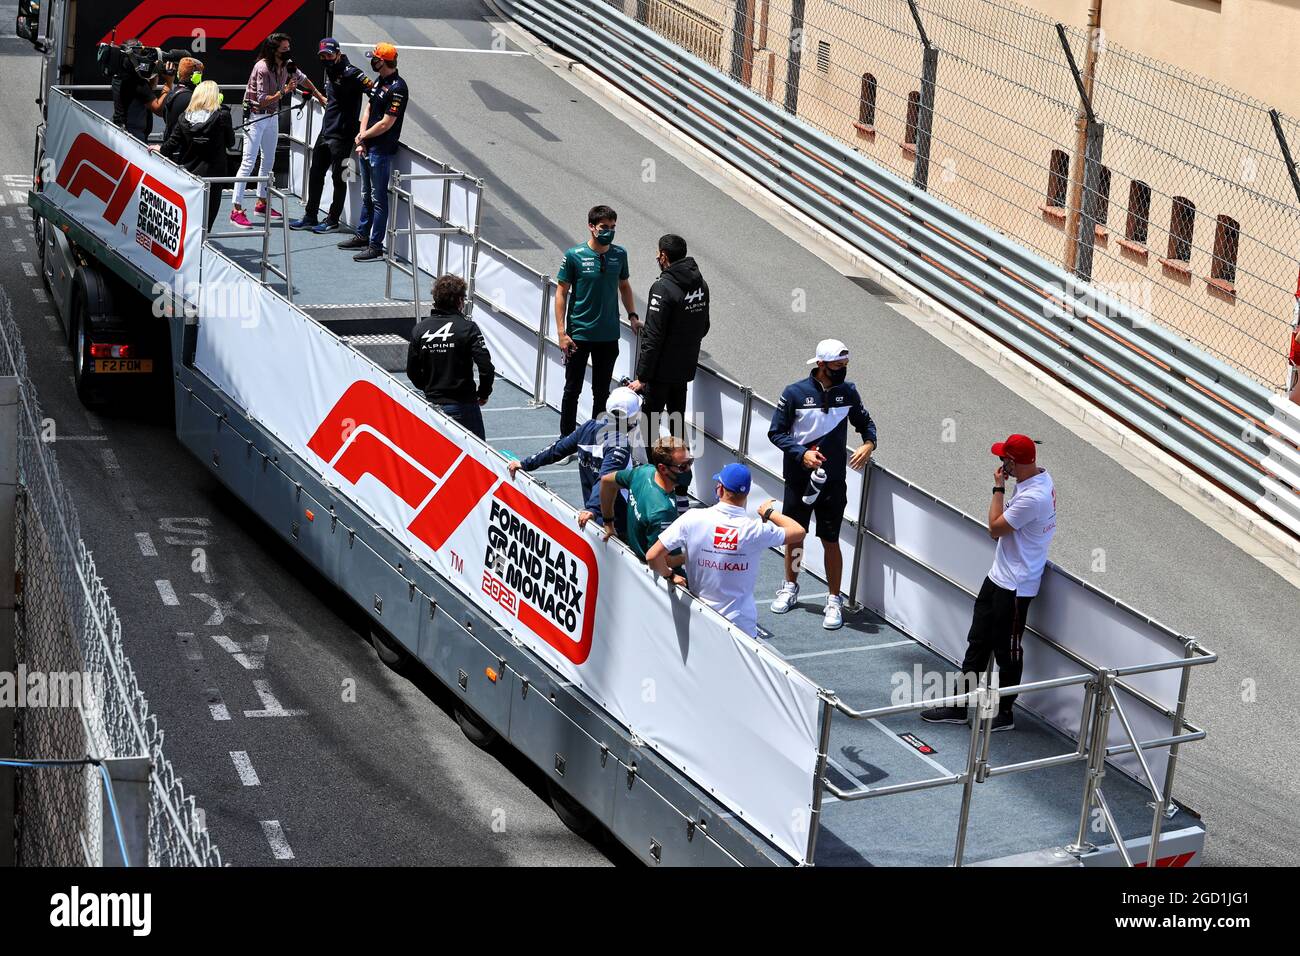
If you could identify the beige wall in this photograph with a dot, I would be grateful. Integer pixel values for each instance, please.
(1249, 45)
(1000, 113)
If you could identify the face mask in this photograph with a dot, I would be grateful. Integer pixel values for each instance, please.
(376, 64)
(717, 492)
(683, 478)
(838, 375)
(605, 236)
(663, 267)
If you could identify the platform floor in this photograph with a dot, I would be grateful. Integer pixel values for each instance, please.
(1010, 814)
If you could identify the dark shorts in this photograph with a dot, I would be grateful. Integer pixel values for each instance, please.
(828, 509)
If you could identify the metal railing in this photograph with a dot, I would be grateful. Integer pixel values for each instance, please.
(1101, 699)
(1226, 425)
(413, 232)
(102, 752)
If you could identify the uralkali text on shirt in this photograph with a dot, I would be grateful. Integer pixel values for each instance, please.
(723, 547)
(1022, 555)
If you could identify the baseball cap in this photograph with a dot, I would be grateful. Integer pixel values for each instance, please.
(329, 45)
(385, 51)
(830, 350)
(735, 478)
(1019, 448)
(624, 401)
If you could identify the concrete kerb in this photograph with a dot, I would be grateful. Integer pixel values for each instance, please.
(1238, 523)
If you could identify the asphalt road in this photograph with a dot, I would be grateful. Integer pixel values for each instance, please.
(348, 763)
(389, 779)
(548, 152)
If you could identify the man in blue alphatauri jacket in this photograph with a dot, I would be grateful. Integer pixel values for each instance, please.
(603, 445)
(811, 426)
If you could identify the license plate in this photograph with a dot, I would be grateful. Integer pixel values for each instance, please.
(102, 366)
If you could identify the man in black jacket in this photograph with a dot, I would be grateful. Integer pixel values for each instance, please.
(189, 74)
(345, 85)
(676, 321)
(444, 350)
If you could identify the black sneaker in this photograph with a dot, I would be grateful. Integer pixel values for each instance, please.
(944, 715)
(1002, 722)
(370, 255)
(303, 224)
(356, 242)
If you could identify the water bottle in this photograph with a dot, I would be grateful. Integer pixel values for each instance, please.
(815, 483)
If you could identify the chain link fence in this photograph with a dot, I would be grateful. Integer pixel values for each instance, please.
(1196, 224)
(68, 631)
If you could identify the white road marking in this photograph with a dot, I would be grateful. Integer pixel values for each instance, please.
(244, 767)
(216, 706)
(53, 322)
(275, 836)
(223, 609)
(146, 544)
(39, 295)
(845, 650)
(19, 196)
(167, 593)
(20, 245)
(29, 270)
(430, 49)
(10, 222)
(251, 655)
(111, 464)
(271, 706)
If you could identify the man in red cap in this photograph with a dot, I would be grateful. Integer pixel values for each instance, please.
(1023, 527)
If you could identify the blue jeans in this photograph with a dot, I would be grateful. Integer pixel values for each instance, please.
(469, 414)
(376, 172)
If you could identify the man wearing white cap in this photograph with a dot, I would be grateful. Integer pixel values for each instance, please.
(811, 426)
(604, 446)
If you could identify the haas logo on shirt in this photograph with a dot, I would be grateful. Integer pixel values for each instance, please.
(726, 539)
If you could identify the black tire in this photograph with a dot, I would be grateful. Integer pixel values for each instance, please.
(394, 656)
(571, 813)
(474, 728)
(87, 391)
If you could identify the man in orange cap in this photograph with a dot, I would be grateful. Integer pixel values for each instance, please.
(376, 144)
(1023, 526)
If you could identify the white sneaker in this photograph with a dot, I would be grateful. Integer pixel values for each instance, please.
(833, 619)
(786, 598)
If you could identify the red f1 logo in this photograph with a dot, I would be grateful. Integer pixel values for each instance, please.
(354, 440)
(726, 539)
(243, 24)
(92, 167)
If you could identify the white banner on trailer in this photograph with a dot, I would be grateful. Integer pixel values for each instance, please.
(148, 210)
(714, 702)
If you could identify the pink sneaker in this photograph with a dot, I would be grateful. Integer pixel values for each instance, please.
(240, 219)
(260, 209)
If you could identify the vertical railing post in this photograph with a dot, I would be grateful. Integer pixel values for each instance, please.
(746, 416)
(413, 250)
(976, 716)
(474, 243)
(823, 754)
(859, 535)
(129, 778)
(543, 324)
(1167, 792)
(1096, 766)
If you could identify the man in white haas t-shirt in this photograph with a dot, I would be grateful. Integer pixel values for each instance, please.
(723, 546)
(1023, 528)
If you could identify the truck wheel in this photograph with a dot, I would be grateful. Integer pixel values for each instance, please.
(571, 813)
(474, 728)
(390, 652)
(84, 378)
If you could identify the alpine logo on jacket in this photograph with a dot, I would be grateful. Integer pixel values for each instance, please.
(694, 300)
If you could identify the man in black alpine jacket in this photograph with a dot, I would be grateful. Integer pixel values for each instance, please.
(444, 350)
(676, 321)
